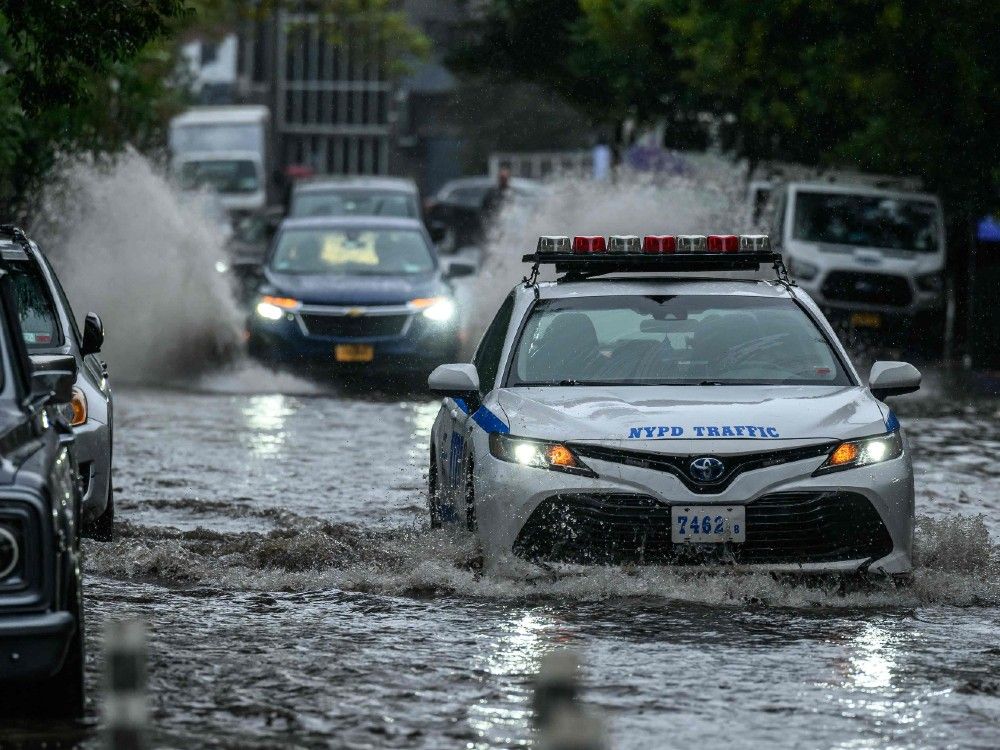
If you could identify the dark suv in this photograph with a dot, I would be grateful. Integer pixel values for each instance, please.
(41, 612)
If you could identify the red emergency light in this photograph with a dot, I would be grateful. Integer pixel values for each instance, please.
(589, 244)
(659, 244)
(723, 243)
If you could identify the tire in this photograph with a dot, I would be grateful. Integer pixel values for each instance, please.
(102, 528)
(433, 506)
(62, 695)
(470, 499)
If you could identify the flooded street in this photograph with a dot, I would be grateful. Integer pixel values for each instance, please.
(274, 539)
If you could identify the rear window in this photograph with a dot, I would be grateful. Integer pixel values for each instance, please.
(35, 307)
(673, 340)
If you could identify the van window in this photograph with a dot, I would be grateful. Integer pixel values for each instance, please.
(866, 221)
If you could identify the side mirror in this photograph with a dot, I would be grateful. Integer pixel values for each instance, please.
(93, 334)
(893, 379)
(53, 375)
(438, 230)
(455, 268)
(460, 380)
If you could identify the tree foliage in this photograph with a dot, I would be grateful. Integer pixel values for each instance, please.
(895, 86)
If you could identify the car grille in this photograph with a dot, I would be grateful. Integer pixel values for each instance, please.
(790, 527)
(679, 465)
(867, 288)
(354, 326)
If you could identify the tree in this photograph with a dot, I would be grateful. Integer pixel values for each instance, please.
(897, 86)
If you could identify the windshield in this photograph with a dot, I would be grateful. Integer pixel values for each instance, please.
(354, 203)
(223, 136)
(226, 176)
(867, 221)
(673, 340)
(363, 252)
(35, 307)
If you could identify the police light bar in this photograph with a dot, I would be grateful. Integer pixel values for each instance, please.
(659, 244)
(624, 243)
(591, 255)
(589, 244)
(553, 244)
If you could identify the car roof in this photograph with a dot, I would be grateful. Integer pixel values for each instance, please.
(860, 189)
(319, 184)
(620, 286)
(352, 222)
(518, 183)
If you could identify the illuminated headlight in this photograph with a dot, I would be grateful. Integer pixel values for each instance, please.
(537, 454)
(854, 454)
(438, 309)
(274, 308)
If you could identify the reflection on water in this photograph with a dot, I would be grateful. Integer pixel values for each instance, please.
(301, 600)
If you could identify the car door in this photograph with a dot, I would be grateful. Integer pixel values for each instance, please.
(487, 362)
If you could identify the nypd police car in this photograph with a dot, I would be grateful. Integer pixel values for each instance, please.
(651, 406)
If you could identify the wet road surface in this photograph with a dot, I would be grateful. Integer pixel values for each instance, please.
(274, 539)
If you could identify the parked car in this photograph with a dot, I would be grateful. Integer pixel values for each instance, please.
(41, 611)
(356, 296)
(50, 328)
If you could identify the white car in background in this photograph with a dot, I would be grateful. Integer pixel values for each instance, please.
(638, 412)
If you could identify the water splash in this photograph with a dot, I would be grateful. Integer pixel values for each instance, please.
(709, 197)
(300, 554)
(128, 245)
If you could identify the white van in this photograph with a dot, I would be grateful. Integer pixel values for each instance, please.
(867, 254)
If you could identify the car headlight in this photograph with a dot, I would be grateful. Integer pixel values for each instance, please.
(802, 270)
(930, 282)
(274, 308)
(538, 454)
(75, 411)
(438, 309)
(853, 454)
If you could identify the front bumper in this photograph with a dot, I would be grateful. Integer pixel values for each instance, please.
(93, 453)
(514, 507)
(415, 344)
(33, 647)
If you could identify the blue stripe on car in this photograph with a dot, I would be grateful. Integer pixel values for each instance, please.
(891, 422)
(484, 418)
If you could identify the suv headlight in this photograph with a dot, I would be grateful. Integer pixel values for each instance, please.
(853, 454)
(438, 309)
(274, 308)
(538, 454)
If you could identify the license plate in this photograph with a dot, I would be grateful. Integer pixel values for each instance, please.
(866, 320)
(354, 352)
(707, 524)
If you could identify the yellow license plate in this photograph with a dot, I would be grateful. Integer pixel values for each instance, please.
(354, 352)
(866, 320)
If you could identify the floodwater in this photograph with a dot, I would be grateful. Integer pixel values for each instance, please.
(274, 539)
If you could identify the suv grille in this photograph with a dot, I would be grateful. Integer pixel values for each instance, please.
(354, 326)
(867, 288)
(789, 527)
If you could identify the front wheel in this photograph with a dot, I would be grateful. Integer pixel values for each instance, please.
(470, 499)
(102, 528)
(433, 502)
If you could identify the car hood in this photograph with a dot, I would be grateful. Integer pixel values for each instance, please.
(330, 289)
(662, 416)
